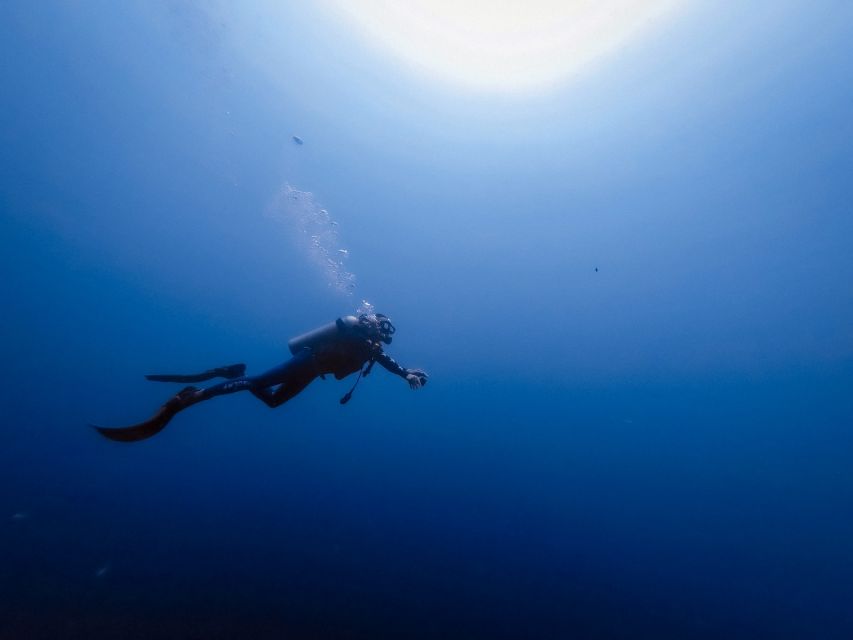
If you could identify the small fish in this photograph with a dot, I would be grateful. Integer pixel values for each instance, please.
(343, 252)
(102, 571)
(20, 515)
(298, 140)
(596, 269)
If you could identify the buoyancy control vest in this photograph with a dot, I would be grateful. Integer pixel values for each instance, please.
(339, 348)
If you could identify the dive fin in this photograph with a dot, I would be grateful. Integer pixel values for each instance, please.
(136, 432)
(152, 426)
(229, 372)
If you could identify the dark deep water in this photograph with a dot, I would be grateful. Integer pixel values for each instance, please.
(660, 449)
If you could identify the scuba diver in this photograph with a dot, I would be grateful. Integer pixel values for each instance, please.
(339, 348)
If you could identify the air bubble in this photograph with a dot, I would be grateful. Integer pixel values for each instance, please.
(318, 233)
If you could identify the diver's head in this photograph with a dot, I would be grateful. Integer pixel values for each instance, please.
(377, 326)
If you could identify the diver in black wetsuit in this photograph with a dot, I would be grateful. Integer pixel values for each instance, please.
(341, 348)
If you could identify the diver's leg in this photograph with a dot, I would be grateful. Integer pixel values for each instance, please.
(294, 375)
(285, 391)
(231, 386)
(291, 377)
(185, 398)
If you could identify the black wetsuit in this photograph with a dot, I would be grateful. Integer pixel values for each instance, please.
(280, 384)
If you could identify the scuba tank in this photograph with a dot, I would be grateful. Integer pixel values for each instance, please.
(340, 328)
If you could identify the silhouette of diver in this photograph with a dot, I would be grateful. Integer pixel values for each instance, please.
(340, 348)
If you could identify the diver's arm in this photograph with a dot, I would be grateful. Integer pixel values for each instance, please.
(391, 365)
(415, 377)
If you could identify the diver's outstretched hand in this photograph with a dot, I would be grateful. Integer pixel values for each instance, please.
(416, 378)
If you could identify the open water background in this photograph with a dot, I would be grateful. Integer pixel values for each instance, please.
(660, 448)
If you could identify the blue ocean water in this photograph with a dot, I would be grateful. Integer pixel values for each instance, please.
(632, 294)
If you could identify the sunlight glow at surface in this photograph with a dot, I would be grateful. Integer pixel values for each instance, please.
(505, 45)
